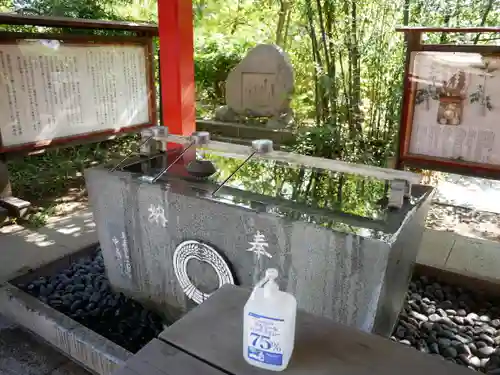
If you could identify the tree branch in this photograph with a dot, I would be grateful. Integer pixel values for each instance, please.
(483, 20)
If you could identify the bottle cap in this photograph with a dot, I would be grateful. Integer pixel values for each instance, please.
(272, 273)
(271, 286)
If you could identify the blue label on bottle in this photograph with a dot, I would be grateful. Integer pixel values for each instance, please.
(264, 339)
(265, 357)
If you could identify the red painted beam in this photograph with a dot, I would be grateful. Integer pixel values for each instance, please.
(175, 24)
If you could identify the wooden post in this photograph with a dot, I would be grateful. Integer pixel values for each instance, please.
(5, 190)
(175, 24)
(413, 44)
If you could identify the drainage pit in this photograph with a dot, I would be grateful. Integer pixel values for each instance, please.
(453, 317)
(70, 304)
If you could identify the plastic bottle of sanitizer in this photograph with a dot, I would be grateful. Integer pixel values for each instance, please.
(269, 325)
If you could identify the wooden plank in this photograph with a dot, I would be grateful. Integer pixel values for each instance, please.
(12, 37)
(422, 29)
(40, 148)
(463, 48)
(213, 333)
(452, 166)
(243, 131)
(126, 371)
(77, 23)
(159, 358)
(16, 207)
(413, 43)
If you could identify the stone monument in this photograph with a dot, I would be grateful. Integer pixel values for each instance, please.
(261, 85)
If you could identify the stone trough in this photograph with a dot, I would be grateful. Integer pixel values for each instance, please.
(171, 240)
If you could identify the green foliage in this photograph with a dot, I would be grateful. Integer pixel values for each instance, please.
(92, 9)
(56, 176)
(238, 20)
(312, 187)
(143, 10)
(214, 59)
(456, 13)
(224, 32)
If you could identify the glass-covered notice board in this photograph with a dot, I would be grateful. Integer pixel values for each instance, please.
(54, 89)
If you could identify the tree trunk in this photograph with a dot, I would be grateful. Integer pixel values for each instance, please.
(406, 13)
(484, 18)
(280, 28)
(321, 101)
(287, 28)
(236, 18)
(356, 71)
(298, 184)
(332, 73)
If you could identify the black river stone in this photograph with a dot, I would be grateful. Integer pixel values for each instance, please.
(84, 293)
(460, 325)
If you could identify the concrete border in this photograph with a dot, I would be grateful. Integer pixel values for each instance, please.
(478, 285)
(87, 348)
(24, 249)
(472, 257)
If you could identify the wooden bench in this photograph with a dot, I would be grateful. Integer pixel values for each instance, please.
(208, 340)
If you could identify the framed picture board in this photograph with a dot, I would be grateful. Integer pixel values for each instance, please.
(60, 89)
(451, 108)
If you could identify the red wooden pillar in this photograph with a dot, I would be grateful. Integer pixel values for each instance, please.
(175, 24)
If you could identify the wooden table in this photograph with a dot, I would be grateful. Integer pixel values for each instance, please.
(208, 340)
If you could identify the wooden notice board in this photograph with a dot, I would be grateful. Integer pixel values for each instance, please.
(57, 89)
(451, 110)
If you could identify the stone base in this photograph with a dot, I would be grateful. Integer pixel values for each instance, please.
(276, 122)
(16, 207)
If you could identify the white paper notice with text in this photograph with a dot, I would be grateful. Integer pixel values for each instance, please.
(51, 90)
(457, 107)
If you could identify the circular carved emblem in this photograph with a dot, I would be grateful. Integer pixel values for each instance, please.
(188, 250)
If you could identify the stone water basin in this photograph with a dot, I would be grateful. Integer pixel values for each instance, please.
(339, 249)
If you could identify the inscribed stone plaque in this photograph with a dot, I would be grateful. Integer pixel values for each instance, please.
(261, 84)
